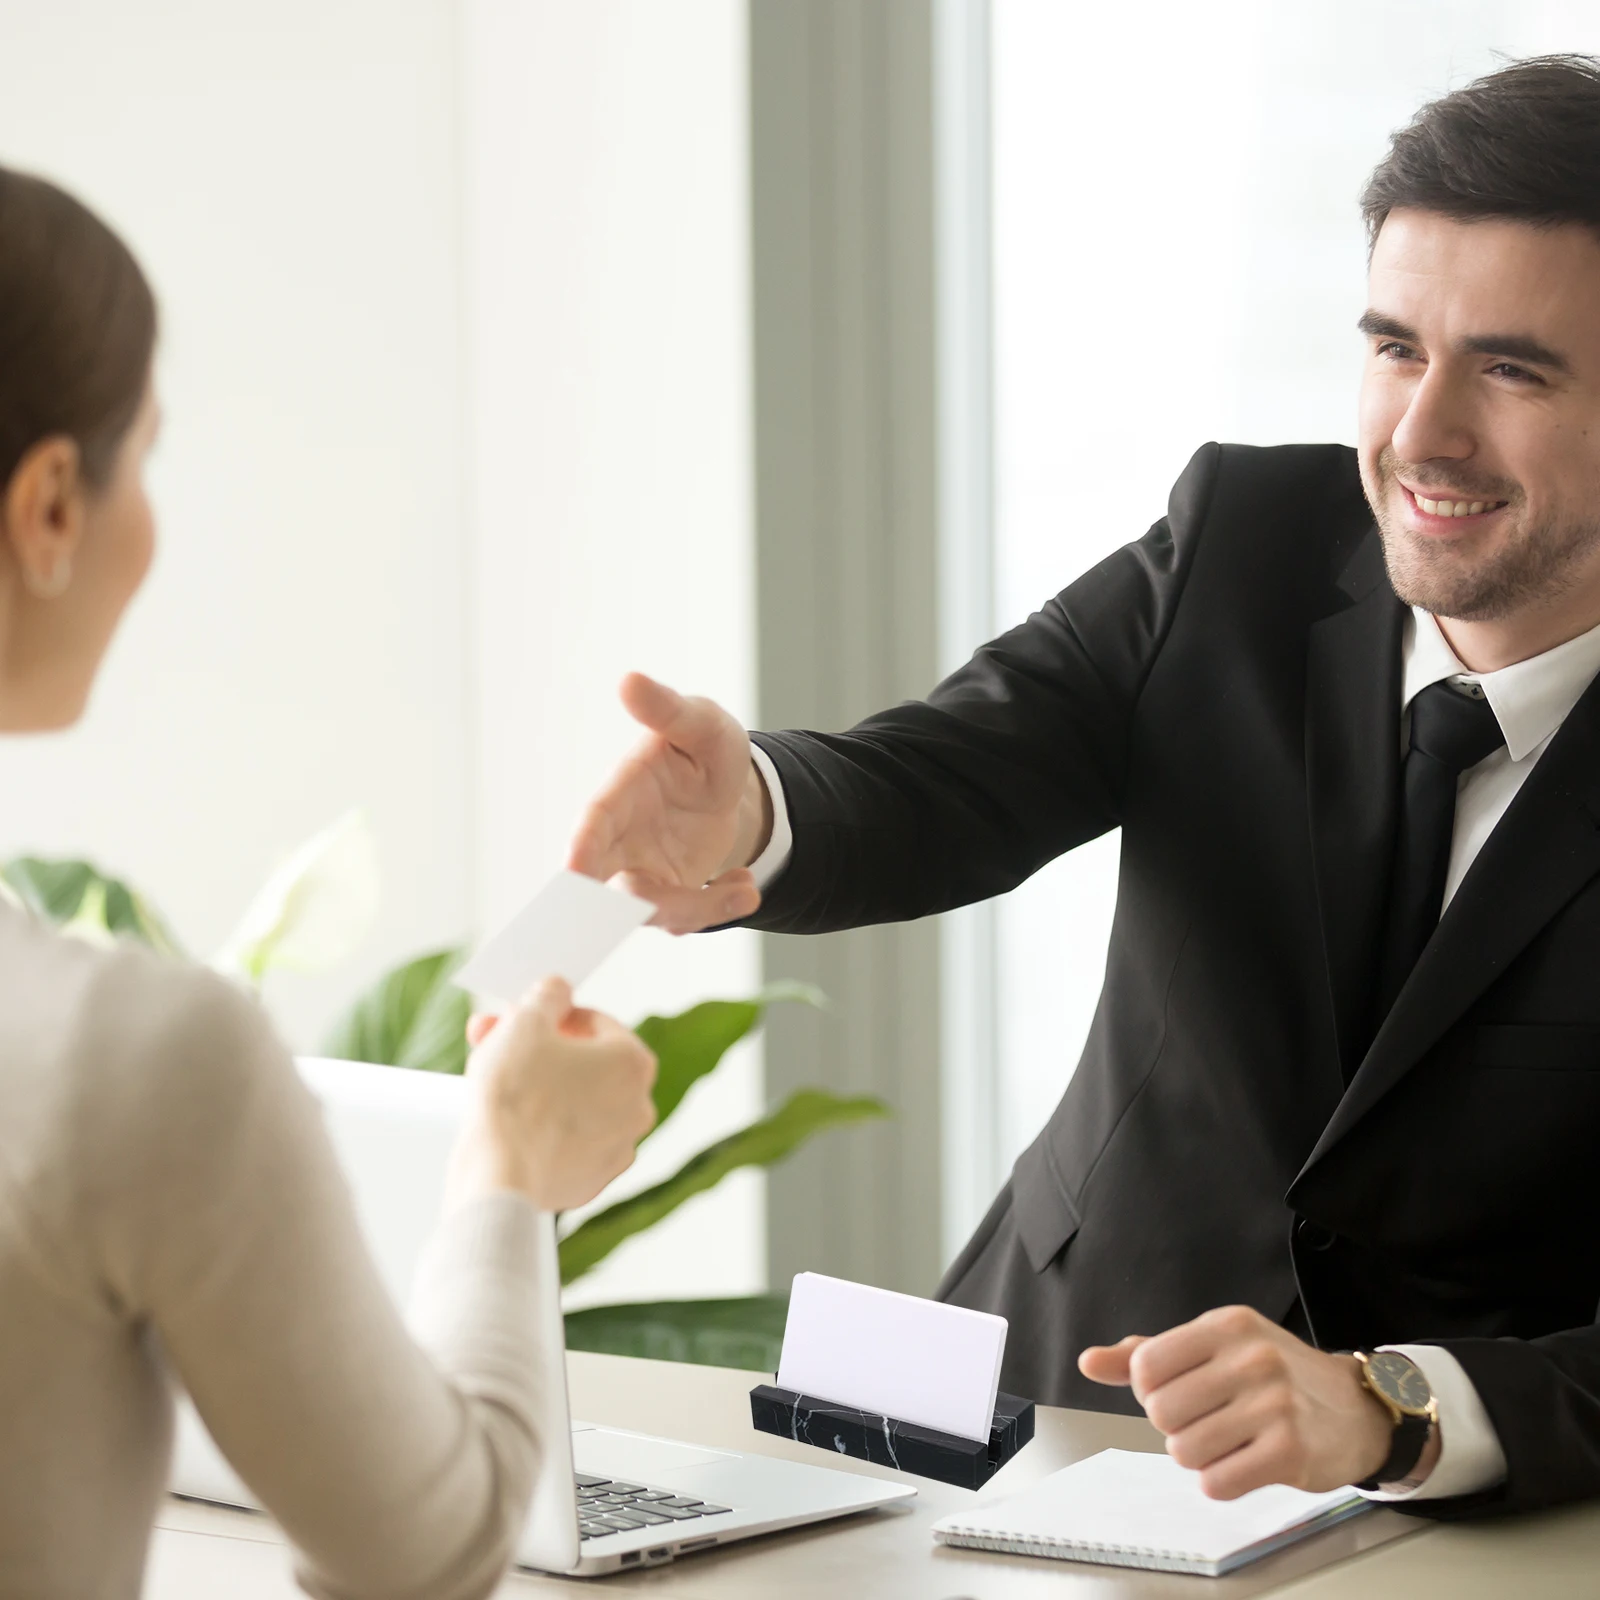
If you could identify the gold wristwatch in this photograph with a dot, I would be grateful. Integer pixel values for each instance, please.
(1399, 1385)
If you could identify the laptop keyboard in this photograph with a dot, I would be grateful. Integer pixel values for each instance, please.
(607, 1506)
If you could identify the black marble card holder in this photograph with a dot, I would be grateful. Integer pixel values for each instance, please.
(903, 1445)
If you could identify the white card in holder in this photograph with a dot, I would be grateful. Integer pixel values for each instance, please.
(917, 1361)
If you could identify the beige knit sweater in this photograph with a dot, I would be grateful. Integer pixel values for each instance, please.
(170, 1210)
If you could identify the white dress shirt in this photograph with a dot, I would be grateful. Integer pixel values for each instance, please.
(775, 857)
(1530, 701)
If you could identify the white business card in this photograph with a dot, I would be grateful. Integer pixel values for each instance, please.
(915, 1360)
(565, 931)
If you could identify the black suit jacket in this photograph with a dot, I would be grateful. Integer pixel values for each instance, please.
(1226, 691)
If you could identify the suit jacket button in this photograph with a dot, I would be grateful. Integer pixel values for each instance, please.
(1314, 1236)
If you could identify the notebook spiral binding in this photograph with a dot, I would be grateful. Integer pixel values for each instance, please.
(1111, 1555)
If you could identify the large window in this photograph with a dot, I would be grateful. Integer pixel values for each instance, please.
(1177, 257)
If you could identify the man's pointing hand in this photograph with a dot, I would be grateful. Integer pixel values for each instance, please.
(683, 816)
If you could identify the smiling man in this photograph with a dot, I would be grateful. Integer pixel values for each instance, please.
(1320, 1197)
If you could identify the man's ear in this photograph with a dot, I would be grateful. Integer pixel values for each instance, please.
(42, 515)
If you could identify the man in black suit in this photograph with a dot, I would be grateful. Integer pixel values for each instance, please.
(1342, 1090)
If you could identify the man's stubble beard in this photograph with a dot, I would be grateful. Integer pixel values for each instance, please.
(1534, 567)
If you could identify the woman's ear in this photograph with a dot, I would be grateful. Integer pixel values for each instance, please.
(42, 515)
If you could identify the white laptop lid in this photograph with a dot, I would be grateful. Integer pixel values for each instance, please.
(393, 1131)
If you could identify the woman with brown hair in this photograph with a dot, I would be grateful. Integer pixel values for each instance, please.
(170, 1207)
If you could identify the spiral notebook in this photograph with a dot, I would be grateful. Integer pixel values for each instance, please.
(1128, 1508)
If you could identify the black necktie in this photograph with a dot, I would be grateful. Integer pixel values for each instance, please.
(1450, 732)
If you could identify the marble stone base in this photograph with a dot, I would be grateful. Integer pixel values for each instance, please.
(903, 1445)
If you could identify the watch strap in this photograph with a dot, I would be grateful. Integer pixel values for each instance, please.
(1405, 1451)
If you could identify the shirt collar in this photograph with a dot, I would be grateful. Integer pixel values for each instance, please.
(1530, 699)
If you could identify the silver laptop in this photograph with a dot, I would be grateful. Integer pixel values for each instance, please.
(616, 1500)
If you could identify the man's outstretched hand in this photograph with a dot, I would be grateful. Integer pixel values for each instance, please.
(1245, 1403)
(683, 816)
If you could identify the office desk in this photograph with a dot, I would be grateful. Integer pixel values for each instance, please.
(203, 1552)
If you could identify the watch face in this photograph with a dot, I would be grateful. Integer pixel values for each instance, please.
(1399, 1380)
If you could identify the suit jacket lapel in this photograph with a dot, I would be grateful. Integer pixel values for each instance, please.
(1541, 853)
(1352, 782)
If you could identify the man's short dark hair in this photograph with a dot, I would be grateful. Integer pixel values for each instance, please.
(1522, 143)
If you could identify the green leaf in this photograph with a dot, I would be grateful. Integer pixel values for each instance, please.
(50, 889)
(689, 1045)
(805, 1112)
(61, 892)
(412, 1017)
(746, 1333)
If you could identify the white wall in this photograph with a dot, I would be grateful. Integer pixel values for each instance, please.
(454, 369)
(608, 287)
(287, 173)
(1178, 257)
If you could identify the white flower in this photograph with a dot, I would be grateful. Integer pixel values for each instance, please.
(314, 910)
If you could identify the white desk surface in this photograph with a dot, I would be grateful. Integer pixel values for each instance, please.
(203, 1552)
